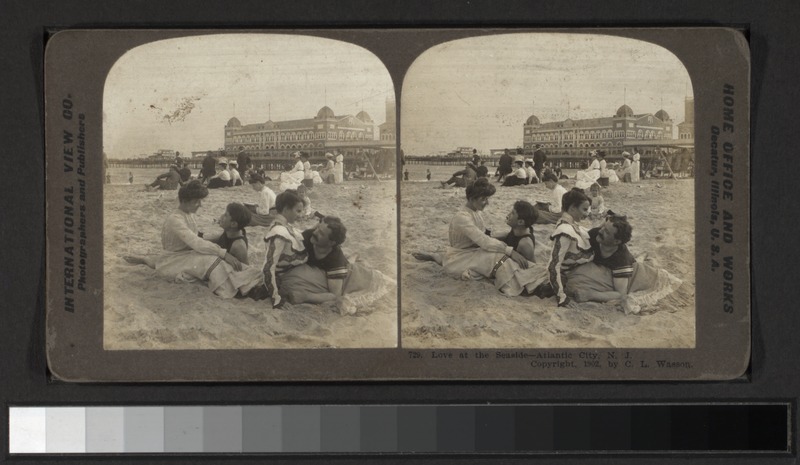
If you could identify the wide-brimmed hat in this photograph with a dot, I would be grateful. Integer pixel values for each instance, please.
(593, 153)
(328, 155)
(529, 160)
(519, 159)
(233, 162)
(222, 161)
(296, 155)
(626, 154)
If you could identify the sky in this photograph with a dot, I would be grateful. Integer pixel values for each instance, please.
(177, 94)
(478, 92)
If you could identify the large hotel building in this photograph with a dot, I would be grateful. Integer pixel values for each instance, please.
(324, 132)
(613, 134)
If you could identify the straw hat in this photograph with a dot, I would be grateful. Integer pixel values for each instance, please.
(222, 161)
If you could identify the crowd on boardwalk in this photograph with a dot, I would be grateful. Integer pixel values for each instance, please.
(584, 264)
(300, 266)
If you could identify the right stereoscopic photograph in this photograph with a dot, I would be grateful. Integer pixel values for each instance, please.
(547, 194)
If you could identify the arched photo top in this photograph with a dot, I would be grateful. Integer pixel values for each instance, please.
(181, 93)
(245, 121)
(481, 91)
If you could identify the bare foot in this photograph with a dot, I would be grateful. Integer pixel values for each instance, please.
(630, 307)
(344, 306)
(423, 257)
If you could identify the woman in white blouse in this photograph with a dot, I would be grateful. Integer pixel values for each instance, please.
(473, 254)
(188, 257)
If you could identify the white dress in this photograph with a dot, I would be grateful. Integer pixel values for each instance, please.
(189, 258)
(473, 255)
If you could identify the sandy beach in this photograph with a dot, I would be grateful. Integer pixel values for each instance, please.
(443, 312)
(143, 311)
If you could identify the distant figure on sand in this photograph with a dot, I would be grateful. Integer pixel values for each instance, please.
(185, 172)
(168, 181)
(188, 257)
(244, 164)
(303, 193)
(539, 159)
(483, 170)
(465, 177)
(636, 167)
(327, 173)
(533, 178)
(338, 173)
(223, 176)
(598, 203)
(550, 212)
(130, 177)
(603, 180)
(589, 173)
(625, 171)
(236, 178)
(263, 213)
(308, 174)
(519, 176)
(504, 166)
(474, 255)
(428, 174)
(208, 169)
(405, 175)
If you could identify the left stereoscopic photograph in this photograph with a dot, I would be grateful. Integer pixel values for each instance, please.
(248, 195)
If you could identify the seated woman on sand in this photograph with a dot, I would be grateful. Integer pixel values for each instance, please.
(589, 174)
(521, 219)
(327, 172)
(329, 276)
(223, 176)
(474, 255)
(519, 177)
(571, 246)
(188, 257)
(291, 178)
(614, 274)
